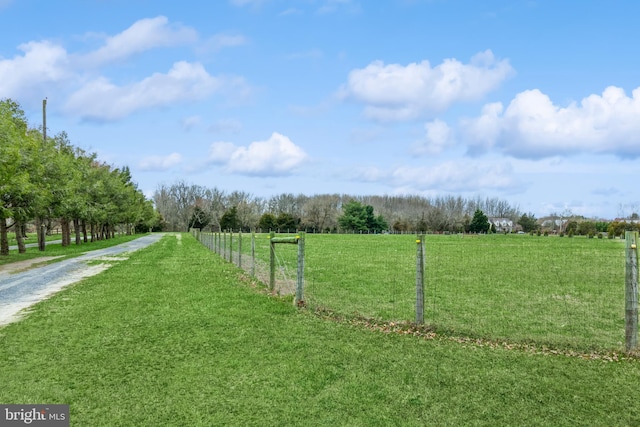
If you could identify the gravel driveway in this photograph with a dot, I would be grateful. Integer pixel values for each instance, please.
(23, 289)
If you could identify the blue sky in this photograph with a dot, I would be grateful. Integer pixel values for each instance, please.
(533, 102)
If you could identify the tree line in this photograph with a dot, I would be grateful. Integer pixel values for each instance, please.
(46, 181)
(184, 206)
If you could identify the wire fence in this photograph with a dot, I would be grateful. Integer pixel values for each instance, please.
(544, 290)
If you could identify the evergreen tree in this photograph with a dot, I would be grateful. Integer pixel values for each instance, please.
(359, 217)
(479, 222)
(229, 220)
(528, 223)
(267, 222)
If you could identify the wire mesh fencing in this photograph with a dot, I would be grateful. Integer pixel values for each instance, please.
(544, 290)
(560, 292)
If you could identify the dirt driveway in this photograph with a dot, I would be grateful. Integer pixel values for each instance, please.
(24, 283)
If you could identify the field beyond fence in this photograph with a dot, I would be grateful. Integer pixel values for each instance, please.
(550, 291)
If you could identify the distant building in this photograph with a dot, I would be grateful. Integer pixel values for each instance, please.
(502, 225)
(556, 224)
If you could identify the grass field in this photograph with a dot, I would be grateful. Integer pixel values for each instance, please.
(31, 238)
(175, 336)
(548, 291)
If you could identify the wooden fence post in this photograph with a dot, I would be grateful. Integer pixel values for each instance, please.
(299, 300)
(231, 246)
(420, 262)
(631, 290)
(240, 249)
(253, 253)
(272, 262)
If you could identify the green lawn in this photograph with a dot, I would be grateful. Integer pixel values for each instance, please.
(175, 336)
(549, 291)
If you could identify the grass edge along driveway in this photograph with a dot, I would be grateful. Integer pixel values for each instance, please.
(175, 336)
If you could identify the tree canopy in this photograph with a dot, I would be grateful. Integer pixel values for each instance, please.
(359, 217)
(479, 222)
(528, 223)
(49, 181)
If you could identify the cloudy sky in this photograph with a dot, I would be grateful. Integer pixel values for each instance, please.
(536, 102)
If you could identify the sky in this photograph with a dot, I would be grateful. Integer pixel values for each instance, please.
(536, 102)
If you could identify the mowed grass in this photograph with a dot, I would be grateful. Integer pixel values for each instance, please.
(175, 336)
(547, 291)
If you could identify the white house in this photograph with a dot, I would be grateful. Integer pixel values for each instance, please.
(502, 224)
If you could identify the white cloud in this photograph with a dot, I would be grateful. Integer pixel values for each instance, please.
(160, 163)
(396, 92)
(44, 68)
(438, 137)
(221, 152)
(143, 35)
(220, 41)
(276, 156)
(371, 174)
(464, 176)
(42, 62)
(189, 123)
(290, 11)
(226, 125)
(102, 100)
(460, 176)
(533, 127)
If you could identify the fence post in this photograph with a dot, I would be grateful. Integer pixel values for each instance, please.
(231, 246)
(299, 300)
(420, 262)
(253, 253)
(240, 249)
(272, 262)
(631, 290)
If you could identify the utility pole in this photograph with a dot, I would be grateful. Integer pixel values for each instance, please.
(40, 223)
(44, 120)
